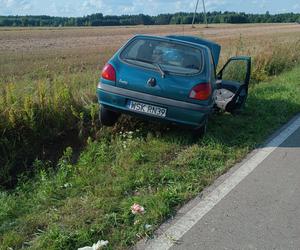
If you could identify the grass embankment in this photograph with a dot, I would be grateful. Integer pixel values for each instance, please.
(159, 168)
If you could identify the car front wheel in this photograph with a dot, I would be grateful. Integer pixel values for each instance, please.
(108, 117)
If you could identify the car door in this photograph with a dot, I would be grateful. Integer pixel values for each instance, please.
(233, 83)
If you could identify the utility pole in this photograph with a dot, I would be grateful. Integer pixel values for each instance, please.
(205, 17)
(195, 14)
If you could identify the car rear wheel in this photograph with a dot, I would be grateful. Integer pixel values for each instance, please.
(108, 117)
(201, 131)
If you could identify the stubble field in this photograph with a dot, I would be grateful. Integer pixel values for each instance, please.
(24, 50)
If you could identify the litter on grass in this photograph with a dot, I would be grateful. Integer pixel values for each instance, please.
(99, 245)
(137, 209)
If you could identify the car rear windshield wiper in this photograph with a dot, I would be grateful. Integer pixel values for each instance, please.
(162, 72)
(157, 65)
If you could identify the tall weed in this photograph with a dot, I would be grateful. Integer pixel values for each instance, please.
(30, 121)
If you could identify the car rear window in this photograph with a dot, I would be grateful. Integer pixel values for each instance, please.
(171, 56)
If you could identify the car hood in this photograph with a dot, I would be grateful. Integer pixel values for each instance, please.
(214, 47)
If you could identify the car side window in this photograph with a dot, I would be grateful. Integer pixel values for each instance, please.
(136, 47)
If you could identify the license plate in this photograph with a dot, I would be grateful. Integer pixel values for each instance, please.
(148, 109)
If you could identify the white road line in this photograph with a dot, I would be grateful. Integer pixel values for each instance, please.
(187, 221)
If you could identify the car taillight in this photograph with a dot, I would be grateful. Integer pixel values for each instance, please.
(109, 73)
(201, 92)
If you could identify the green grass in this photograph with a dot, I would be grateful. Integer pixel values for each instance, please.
(136, 162)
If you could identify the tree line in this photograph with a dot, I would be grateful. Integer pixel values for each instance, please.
(141, 19)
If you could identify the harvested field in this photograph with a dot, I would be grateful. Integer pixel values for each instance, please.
(26, 50)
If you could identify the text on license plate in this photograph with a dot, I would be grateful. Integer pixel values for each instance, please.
(148, 109)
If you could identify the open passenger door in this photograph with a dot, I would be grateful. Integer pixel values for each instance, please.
(233, 82)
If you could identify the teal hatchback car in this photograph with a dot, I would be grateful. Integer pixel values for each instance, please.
(171, 79)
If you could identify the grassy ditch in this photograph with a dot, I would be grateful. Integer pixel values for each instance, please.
(136, 162)
(40, 118)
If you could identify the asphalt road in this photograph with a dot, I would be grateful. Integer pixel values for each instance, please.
(261, 212)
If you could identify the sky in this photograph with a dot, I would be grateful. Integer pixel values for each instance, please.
(152, 7)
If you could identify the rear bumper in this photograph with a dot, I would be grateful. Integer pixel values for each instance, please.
(180, 112)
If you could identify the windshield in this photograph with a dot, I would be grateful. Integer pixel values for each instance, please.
(170, 57)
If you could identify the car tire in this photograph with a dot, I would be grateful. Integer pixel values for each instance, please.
(201, 131)
(108, 117)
